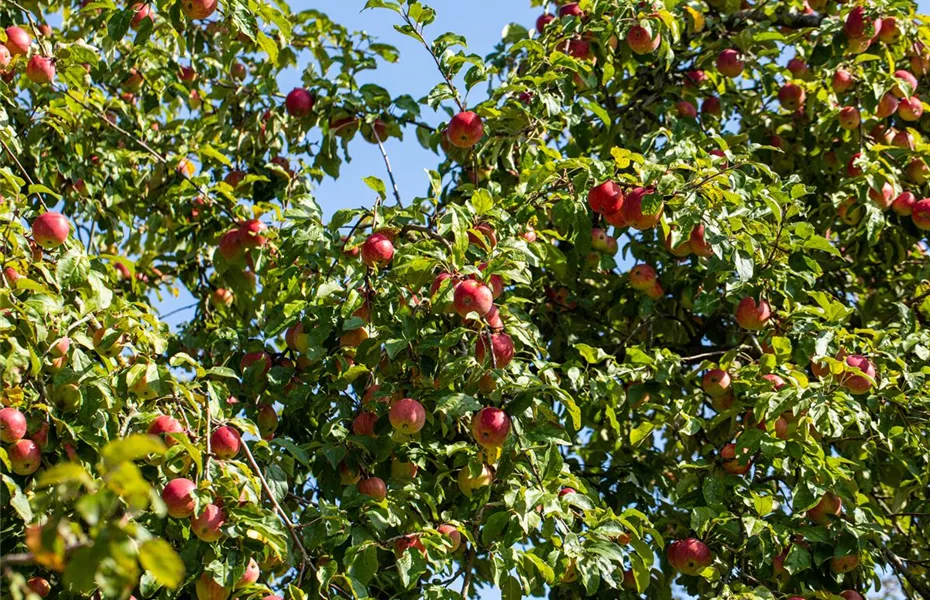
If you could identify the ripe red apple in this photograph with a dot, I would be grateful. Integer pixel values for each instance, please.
(904, 204)
(408, 542)
(50, 229)
(791, 96)
(267, 420)
(851, 169)
(207, 588)
(716, 383)
(753, 315)
(579, 49)
(453, 536)
(468, 484)
(198, 9)
(842, 81)
(732, 464)
(41, 69)
(777, 382)
(889, 31)
(605, 198)
(251, 358)
(543, 20)
(501, 346)
(849, 117)
(187, 73)
(403, 470)
(163, 425)
(12, 425)
(642, 277)
(373, 487)
(142, 12)
(40, 586)
(829, 506)
(490, 427)
(571, 9)
(920, 214)
(641, 41)
(729, 63)
(17, 40)
(690, 556)
(250, 576)
(858, 25)
(853, 594)
(697, 242)
(903, 139)
(887, 106)
(849, 211)
(857, 384)
(206, 526)
(711, 106)
(378, 250)
(225, 442)
(465, 129)
(232, 246)
(694, 78)
(473, 296)
(5, 58)
(178, 496)
(681, 250)
(917, 171)
(407, 416)
(220, 297)
(599, 239)
(911, 109)
(798, 68)
(299, 103)
(25, 457)
(844, 564)
(907, 80)
(884, 197)
(482, 235)
(685, 110)
(238, 71)
(364, 424)
(633, 209)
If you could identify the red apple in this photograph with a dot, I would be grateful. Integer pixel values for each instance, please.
(473, 296)
(911, 109)
(903, 139)
(251, 358)
(697, 242)
(465, 129)
(791, 96)
(178, 497)
(40, 586)
(220, 297)
(690, 556)
(373, 487)
(829, 506)
(904, 204)
(849, 117)
(908, 81)
(543, 20)
(207, 588)
(225, 442)
(853, 594)
(12, 425)
(490, 427)
(917, 171)
(633, 209)
(641, 41)
(5, 58)
(777, 382)
(41, 69)
(711, 106)
(889, 31)
(858, 25)
(251, 575)
(842, 81)
(453, 536)
(17, 40)
(729, 63)
(732, 464)
(685, 110)
(198, 9)
(142, 12)
(163, 425)
(50, 229)
(716, 383)
(857, 384)
(299, 103)
(884, 197)
(570, 9)
(844, 564)
(752, 315)
(920, 214)
(403, 470)
(501, 346)
(407, 416)
(364, 424)
(851, 169)
(206, 526)
(642, 277)
(250, 231)
(605, 198)
(378, 250)
(25, 457)
(887, 106)
(798, 68)
(468, 484)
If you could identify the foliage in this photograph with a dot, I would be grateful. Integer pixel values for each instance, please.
(744, 412)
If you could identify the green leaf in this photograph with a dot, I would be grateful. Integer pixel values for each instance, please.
(495, 526)
(376, 184)
(132, 448)
(158, 558)
(798, 559)
(590, 354)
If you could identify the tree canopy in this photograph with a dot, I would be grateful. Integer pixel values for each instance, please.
(656, 320)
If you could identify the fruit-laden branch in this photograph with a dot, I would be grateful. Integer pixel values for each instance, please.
(416, 32)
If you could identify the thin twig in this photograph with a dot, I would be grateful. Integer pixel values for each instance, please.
(416, 32)
(387, 164)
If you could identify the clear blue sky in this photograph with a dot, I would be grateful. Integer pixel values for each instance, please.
(480, 21)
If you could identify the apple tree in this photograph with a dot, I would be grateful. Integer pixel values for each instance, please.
(655, 322)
